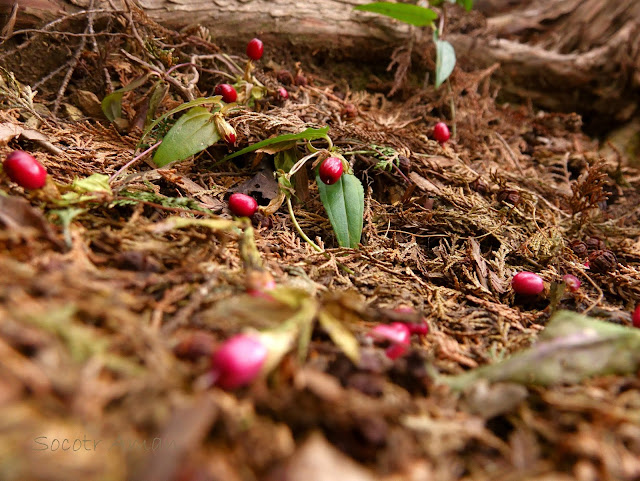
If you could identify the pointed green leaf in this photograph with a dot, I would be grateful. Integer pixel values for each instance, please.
(308, 134)
(340, 335)
(405, 12)
(572, 347)
(445, 61)
(112, 103)
(344, 203)
(192, 133)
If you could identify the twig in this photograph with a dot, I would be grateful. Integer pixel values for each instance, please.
(132, 161)
(512, 154)
(67, 77)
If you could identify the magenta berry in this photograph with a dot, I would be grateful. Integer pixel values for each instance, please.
(572, 282)
(238, 361)
(282, 93)
(441, 132)
(396, 334)
(527, 283)
(242, 205)
(635, 318)
(330, 170)
(227, 91)
(25, 170)
(255, 48)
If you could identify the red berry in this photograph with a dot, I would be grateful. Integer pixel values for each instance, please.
(418, 328)
(441, 132)
(635, 318)
(255, 48)
(238, 361)
(25, 170)
(227, 91)
(572, 282)
(243, 205)
(282, 93)
(527, 283)
(330, 170)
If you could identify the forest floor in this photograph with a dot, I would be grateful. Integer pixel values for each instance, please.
(110, 309)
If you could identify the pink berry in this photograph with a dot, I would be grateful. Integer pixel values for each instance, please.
(25, 170)
(330, 170)
(238, 361)
(396, 333)
(441, 132)
(242, 205)
(227, 91)
(282, 93)
(572, 282)
(635, 318)
(255, 48)
(527, 283)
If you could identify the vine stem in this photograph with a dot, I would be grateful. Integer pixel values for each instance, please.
(299, 229)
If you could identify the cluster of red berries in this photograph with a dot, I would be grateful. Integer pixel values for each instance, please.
(255, 49)
(398, 334)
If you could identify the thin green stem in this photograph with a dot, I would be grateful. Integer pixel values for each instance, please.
(454, 128)
(299, 229)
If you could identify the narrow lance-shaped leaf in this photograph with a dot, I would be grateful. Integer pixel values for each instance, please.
(308, 134)
(445, 61)
(405, 12)
(572, 347)
(192, 133)
(344, 203)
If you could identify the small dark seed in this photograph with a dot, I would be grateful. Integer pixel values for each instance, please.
(603, 261)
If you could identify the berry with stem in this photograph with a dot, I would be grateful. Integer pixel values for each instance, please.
(441, 132)
(255, 49)
(330, 170)
(242, 205)
(282, 93)
(227, 91)
(238, 361)
(25, 170)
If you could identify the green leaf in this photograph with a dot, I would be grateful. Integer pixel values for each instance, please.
(308, 134)
(187, 105)
(445, 61)
(405, 12)
(112, 103)
(467, 4)
(344, 203)
(192, 133)
(572, 347)
(93, 183)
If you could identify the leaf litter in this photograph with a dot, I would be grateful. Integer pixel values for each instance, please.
(115, 290)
